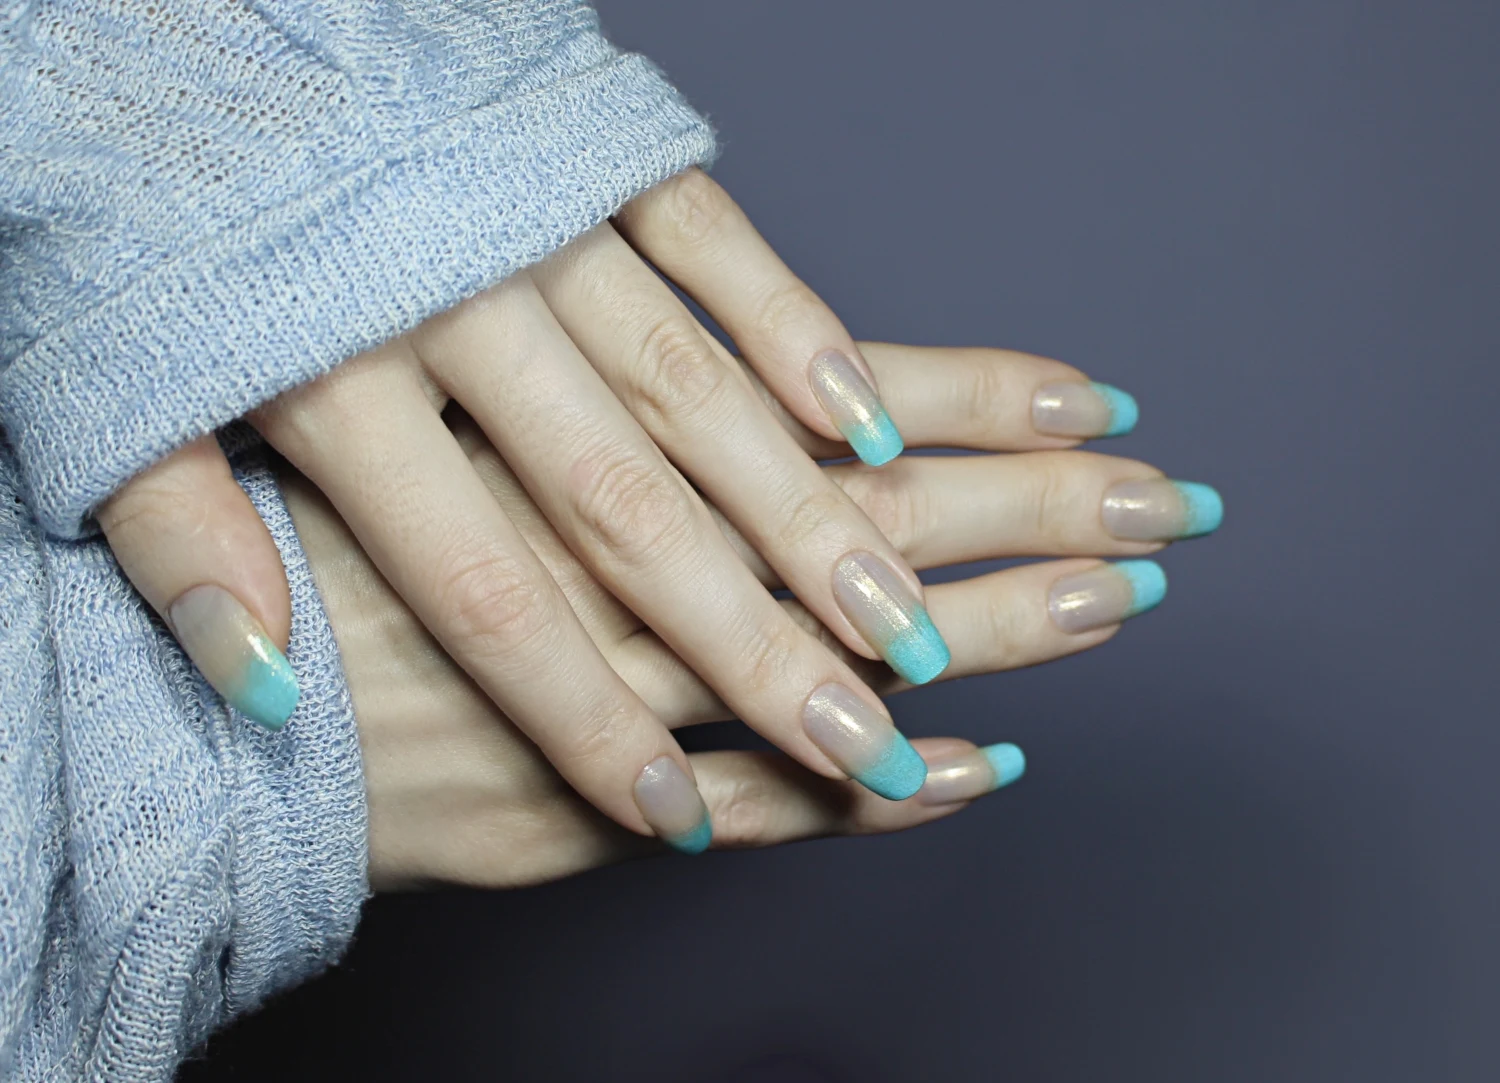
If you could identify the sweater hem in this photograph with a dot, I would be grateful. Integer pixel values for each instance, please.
(285, 298)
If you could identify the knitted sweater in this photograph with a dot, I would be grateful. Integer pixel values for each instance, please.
(203, 203)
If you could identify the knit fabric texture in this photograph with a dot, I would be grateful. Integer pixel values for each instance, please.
(164, 862)
(206, 202)
(203, 203)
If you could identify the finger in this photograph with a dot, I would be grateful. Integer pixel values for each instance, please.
(368, 438)
(700, 239)
(940, 510)
(607, 620)
(1001, 621)
(638, 526)
(978, 398)
(758, 799)
(188, 537)
(659, 363)
(950, 509)
(761, 799)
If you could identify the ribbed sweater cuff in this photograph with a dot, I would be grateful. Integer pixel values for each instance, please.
(256, 310)
(298, 809)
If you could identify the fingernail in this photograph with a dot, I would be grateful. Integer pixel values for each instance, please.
(855, 408)
(892, 619)
(1159, 509)
(1078, 409)
(673, 807)
(235, 655)
(1106, 595)
(863, 741)
(972, 774)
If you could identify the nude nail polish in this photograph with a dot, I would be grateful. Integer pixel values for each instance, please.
(671, 804)
(1106, 595)
(234, 654)
(890, 616)
(863, 741)
(1083, 409)
(855, 408)
(972, 774)
(1159, 509)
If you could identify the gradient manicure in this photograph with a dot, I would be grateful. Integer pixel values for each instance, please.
(863, 741)
(1076, 409)
(1106, 595)
(673, 807)
(234, 654)
(892, 619)
(855, 408)
(972, 774)
(1159, 509)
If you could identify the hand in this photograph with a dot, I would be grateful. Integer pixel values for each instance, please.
(459, 795)
(587, 373)
(583, 372)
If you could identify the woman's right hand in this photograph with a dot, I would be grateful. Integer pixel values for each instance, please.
(458, 794)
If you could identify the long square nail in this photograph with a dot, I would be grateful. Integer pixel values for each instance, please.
(1161, 509)
(892, 619)
(855, 408)
(863, 742)
(234, 654)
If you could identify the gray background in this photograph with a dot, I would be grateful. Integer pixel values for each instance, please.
(1257, 839)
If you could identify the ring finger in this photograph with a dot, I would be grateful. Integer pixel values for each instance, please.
(663, 367)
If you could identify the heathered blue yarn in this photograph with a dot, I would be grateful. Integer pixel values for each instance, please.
(207, 202)
(203, 203)
(164, 863)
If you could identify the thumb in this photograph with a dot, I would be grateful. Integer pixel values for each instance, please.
(194, 546)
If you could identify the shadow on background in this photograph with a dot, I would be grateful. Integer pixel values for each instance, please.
(1178, 893)
(1256, 838)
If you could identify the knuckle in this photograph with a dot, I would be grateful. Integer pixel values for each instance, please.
(488, 597)
(786, 304)
(769, 661)
(694, 208)
(1005, 627)
(809, 515)
(632, 506)
(982, 398)
(891, 500)
(594, 736)
(742, 814)
(326, 411)
(154, 505)
(1053, 495)
(679, 379)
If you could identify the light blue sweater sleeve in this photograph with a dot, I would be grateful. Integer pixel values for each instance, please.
(203, 203)
(164, 864)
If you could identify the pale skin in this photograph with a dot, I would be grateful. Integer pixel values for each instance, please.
(625, 422)
(457, 792)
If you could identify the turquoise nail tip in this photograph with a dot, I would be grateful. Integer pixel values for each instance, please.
(1124, 412)
(695, 841)
(1007, 761)
(919, 654)
(898, 774)
(1148, 584)
(878, 442)
(1205, 508)
(270, 692)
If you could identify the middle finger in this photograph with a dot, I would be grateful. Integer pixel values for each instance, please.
(710, 422)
